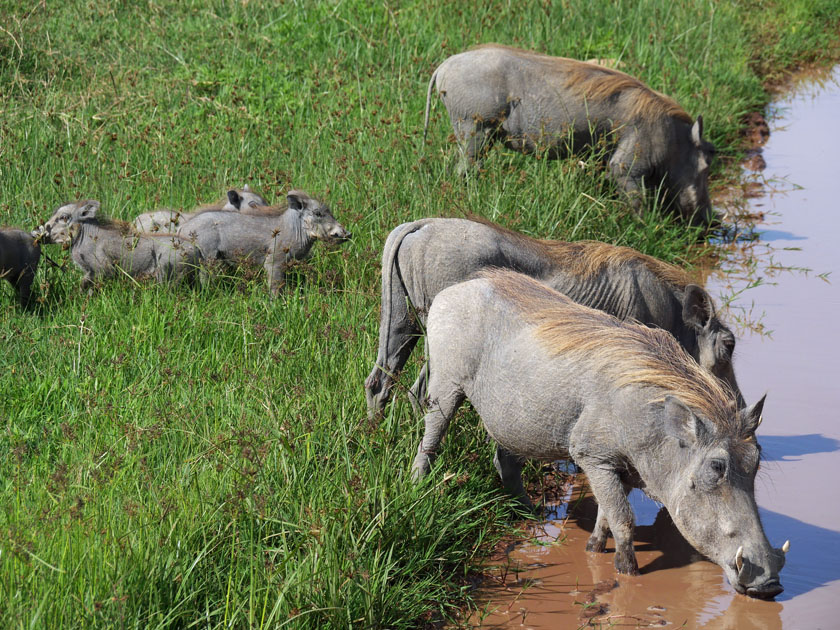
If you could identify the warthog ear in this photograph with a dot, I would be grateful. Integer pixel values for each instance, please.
(683, 424)
(697, 131)
(751, 416)
(295, 200)
(234, 198)
(697, 306)
(89, 210)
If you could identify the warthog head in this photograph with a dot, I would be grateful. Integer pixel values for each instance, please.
(688, 175)
(714, 342)
(245, 198)
(316, 218)
(57, 228)
(712, 500)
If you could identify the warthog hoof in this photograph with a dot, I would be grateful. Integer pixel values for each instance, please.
(596, 545)
(626, 563)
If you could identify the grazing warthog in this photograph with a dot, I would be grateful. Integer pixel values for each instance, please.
(102, 247)
(422, 258)
(531, 101)
(19, 256)
(271, 237)
(552, 379)
(235, 200)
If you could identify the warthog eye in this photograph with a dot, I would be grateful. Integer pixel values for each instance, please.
(712, 473)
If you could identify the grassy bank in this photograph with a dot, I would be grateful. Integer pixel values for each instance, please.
(176, 458)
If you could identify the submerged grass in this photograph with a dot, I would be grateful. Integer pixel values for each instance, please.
(179, 458)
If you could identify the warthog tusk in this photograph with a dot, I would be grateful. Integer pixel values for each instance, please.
(786, 547)
(739, 558)
(760, 420)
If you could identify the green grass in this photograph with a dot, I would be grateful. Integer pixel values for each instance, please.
(178, 458)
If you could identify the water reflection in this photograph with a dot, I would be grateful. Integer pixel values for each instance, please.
(562, 586)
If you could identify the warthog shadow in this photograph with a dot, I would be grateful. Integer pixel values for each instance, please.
(786, 448)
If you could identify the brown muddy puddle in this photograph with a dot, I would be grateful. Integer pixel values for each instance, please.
(782, 277)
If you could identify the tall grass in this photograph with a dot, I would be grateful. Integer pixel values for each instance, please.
(178, 458)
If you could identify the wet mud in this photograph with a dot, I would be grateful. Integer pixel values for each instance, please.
(778, 285)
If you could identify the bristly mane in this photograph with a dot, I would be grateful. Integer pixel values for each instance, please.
(626, 353)
(216, 205)
(598, 83)
(220, 203)
(282, 207)
(108, 223)
(267, 211)
(588, 258)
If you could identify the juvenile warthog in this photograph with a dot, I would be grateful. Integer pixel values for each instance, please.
(170, 220)
(531, 101)
(19, 256)
(552, 379)
(271, 237)
(422, 258)
(102, 248)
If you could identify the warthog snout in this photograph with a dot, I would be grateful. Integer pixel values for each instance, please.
(768, 590)
(339, 234)
(759, 579)
(42, 234)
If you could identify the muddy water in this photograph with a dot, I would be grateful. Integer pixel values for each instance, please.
(789, 347)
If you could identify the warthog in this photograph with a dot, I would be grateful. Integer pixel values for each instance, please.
(531, 101)
(170, 220)
(271, 237)
(102, 247)
(422, 258)
(19, 256)
(551, 379)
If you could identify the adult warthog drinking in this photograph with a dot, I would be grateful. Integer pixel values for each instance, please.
(531, 102)
(271, 237)
(19, 256)
(103, 248)
(422, 258)
(236, 200)
(552, 379)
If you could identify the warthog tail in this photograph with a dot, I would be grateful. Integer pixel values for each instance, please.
(429, 104)
(390, 275)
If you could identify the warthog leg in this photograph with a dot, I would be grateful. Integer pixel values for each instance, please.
(614, 513)
(418, 390)
(598, 540)
(398, 334)
(441, 410)
(509, 467)
(626, 172)
(473, 139)
(23, 285)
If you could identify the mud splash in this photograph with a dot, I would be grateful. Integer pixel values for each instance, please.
(775, 284)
